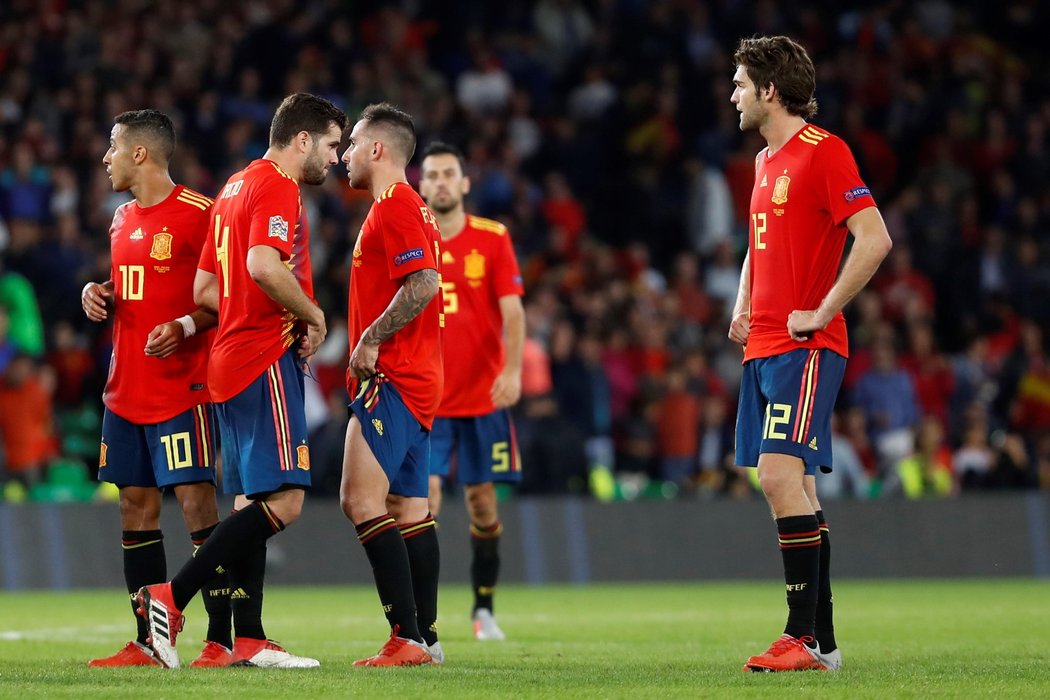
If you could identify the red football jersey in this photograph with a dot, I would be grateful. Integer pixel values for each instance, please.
(477, 268)
(802, 197)
(259, 205)
(154, 252)
(399, 237)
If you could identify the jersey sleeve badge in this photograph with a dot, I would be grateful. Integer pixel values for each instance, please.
(278, 228)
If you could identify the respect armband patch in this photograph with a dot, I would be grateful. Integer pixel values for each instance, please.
(856, 193)
(414, 254)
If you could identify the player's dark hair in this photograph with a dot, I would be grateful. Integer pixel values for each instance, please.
(398, 123)
(304, 112)
(152, 126)
(782, 62)
(441, 148)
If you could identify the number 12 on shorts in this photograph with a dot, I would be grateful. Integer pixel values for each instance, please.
(777, 414)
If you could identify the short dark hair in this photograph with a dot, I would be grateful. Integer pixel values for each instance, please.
(302, 111)
(398, 122)
(782, 62)
(441, 148)
(153, 126)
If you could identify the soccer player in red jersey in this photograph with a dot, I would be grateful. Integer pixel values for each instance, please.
(788, 316)
(484, 332)
(157, 426)
(395, 376)
(255, 271)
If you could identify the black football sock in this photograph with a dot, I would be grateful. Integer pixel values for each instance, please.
(231, 537)
(825, 624)
(216, 594)
(484, 564)
(144, 563)
(247, 575)
(393, 574)
(800, 547)
(424, 557)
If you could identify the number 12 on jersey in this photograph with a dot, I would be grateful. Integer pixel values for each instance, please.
(758, 223)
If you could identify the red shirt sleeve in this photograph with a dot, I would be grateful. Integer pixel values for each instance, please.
(507, 281)
(406, 241)
(845, 192)
(274, 215)
(207, 259)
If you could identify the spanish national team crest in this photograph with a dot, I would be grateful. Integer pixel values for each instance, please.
(302, 454)
(161, 246)
(474, 267)
(102, 455)
(780, 189)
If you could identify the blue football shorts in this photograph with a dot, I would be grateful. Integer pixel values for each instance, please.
(263, 432)
(180, 450)
(399, 442)
(483, 448)
(786, 403)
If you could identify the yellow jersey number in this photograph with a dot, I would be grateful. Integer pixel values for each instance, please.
(222, 258)
(758, 222)
(132, 280)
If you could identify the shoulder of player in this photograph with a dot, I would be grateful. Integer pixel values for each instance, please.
(192, 200)
(480, 223)
(820, 139)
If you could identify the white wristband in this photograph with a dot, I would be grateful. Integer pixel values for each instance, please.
(188, 326)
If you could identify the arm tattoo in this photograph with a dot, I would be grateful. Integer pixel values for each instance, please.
(415, 293)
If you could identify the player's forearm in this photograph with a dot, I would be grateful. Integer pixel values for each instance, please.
(203, 319)
(513, 331)
(743, 292)
(416, 292)
(280, 285)
(870, 246)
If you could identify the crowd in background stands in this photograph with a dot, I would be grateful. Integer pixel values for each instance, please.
(602, 134)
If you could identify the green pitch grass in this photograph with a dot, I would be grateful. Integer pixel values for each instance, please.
(915, 639)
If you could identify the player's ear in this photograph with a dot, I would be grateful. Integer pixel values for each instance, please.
(302, 140)
(139, 154)
(377, 150)
(465, 187)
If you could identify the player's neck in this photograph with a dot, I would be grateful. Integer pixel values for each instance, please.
(152, 189)
(382, 181)
(286, 161)
(778, 131)
(451, 223)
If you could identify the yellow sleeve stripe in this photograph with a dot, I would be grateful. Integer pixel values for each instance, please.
(483, 224)
(193, 202)
(388, 192)
(190, 194)
(812, 135)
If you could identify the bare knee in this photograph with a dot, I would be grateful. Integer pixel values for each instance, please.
(139, 508)
(199, 509)
(287, 505)
(481, 504)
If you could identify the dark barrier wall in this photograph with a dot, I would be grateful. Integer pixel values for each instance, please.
(569, 540)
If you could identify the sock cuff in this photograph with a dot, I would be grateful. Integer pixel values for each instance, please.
(370, 529)
(419, 527)
(270, 516)
(798, 531)
(133, 539)
(199, 537)
(821, 522)
(489, 532)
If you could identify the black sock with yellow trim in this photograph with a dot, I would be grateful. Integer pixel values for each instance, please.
(392, 572)
(484, 564)
(236, 534)
(216, 595)
(799, 538)
(824, 629)
(247, 576)
(144, 563)
(424, 557)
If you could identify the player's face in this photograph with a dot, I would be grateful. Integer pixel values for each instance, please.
(119, 159)
(358, 157)
(323, 155)
(745, 97)
(442, 183)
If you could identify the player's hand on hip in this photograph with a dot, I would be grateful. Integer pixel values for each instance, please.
(363, 359)
(96, 299)
(164, 339)
(740, 329)
(315, 335)
(506, 390)
(802, 324)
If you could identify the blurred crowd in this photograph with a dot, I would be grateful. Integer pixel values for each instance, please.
(602, 134)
